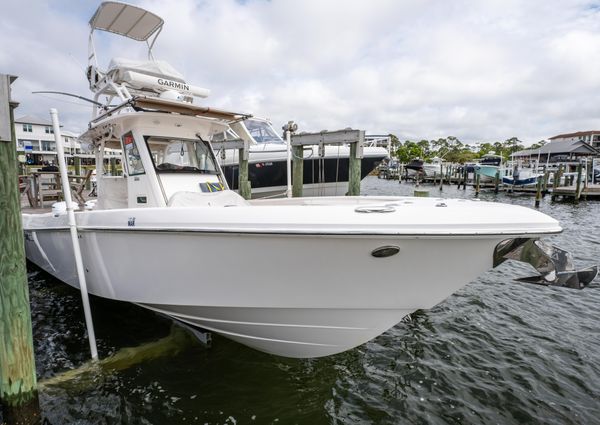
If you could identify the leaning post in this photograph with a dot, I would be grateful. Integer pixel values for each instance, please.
(354, 165)
(18, 384)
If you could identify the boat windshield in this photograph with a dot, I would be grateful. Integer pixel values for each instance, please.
(181, 155)
(262, 132)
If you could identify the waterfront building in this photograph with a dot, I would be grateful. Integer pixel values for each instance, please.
(591, 137)
(35, 141)
(562, 150)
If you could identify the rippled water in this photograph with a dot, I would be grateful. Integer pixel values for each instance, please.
(495, 352)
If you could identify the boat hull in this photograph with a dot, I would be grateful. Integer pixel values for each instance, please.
(269, 292)
(487, 173)
(322, 176)
(298, 277)
(529, 181)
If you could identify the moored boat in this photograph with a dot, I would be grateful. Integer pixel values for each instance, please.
(170, 235)
(325, 173)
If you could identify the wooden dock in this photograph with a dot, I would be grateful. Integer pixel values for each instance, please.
(590, 191)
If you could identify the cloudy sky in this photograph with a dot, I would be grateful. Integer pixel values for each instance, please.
(478, 70)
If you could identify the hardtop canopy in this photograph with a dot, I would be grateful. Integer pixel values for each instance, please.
(126, 20)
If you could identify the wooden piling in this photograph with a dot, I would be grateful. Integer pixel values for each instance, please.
(441, 177)
(77, 165)
(244, 186)
(578, 187)
(421, 193)
(354, 170)
(113, 166)
(555, 182)
(465, 177)
(297, 171)
(18, 384)
(538, 192)
(497, 182)
(477, 179)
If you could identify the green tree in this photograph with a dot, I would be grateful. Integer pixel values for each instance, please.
(485, 148)
(408, 151)
(538, 145)
(512, 145)
(394, 142)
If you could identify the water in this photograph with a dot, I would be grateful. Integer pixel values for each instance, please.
(495, 352)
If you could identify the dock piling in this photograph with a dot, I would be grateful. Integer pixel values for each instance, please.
(18, 383)
(354, 165)
(113, 166)
(297, 171)
(538, 192)
(244, 185)
(578, 187)
(497, 182)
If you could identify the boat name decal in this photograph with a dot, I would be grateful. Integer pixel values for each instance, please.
(131, 221)
(173, 84)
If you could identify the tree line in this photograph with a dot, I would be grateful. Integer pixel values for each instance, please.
(451, 149)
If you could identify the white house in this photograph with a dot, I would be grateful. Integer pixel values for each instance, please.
(35, 140)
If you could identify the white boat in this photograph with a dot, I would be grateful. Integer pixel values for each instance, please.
(325, 171)
(518, 176)
(299, 277)
(433, 168)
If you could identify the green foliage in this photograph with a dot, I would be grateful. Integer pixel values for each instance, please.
(537, 145)
(451, 149)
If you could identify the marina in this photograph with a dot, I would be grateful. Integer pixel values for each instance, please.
(179, 262)
(495, 351)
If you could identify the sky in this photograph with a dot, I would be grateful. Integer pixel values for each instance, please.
(482, 71)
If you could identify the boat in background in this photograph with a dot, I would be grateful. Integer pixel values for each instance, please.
(296, 277)
(488, 167)
(519, 176)
(433, 168)
(325, 171)
(414, 168)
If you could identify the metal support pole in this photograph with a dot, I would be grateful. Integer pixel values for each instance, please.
(18, 384)
(289, 128)
(74, 237)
